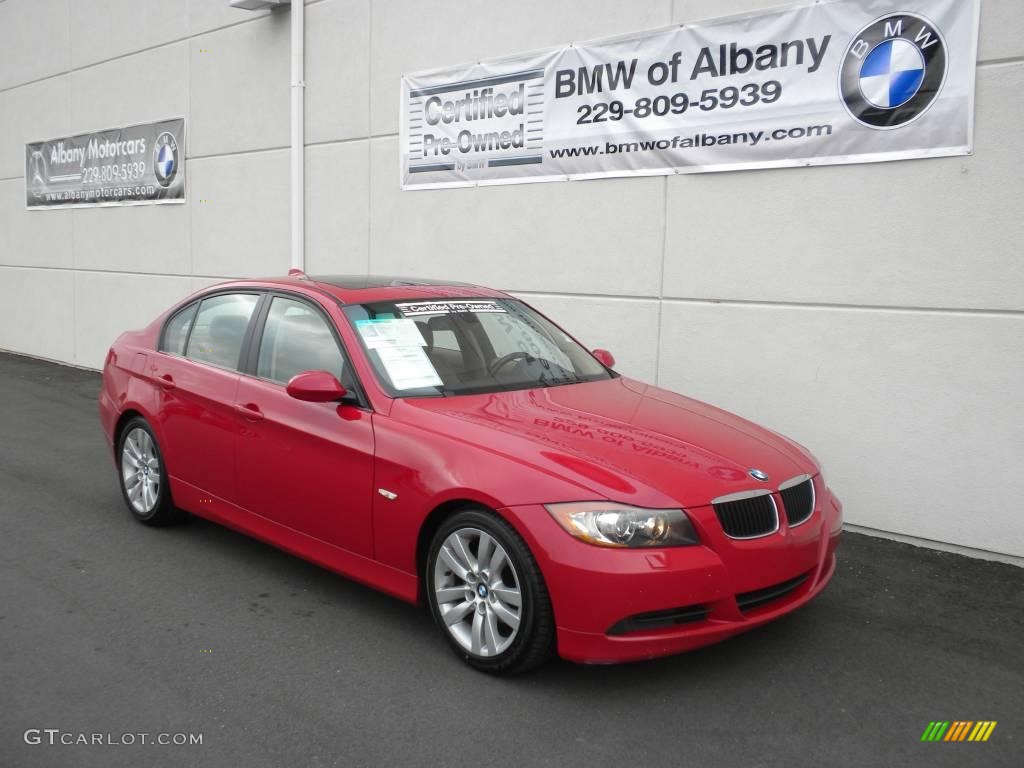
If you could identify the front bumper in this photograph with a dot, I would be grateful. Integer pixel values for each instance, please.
(594, 589)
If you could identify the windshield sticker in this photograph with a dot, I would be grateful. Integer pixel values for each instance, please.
(412, 308)
(397, 332)
(408, 367)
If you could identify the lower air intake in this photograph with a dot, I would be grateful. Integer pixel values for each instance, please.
(749, 600)
(657, 619)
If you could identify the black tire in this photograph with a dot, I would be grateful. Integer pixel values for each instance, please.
(534, 641)
(162, 512)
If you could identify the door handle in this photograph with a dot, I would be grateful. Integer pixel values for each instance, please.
(167, 381)
(251, 411)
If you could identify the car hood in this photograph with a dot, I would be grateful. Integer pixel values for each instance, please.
(624, 440)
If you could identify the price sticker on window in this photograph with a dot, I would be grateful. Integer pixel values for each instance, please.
(408, 367)
(390, 332)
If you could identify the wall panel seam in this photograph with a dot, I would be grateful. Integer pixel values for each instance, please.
(1000, 62)
(980, 63)
(73, 70)
(93, 270)
(780, 304)
(148, 48)
(278, 148)
(1013, 313)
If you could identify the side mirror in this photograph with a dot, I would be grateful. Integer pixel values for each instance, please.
(604, 357)
(316, 387)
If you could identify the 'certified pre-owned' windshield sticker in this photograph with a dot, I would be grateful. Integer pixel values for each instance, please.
(412, 308)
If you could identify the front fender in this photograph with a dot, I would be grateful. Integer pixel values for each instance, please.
(424, 469)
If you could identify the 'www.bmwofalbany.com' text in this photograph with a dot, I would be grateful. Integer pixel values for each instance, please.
(697, 140)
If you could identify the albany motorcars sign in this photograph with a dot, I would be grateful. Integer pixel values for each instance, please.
(837, 81)
(119, 166)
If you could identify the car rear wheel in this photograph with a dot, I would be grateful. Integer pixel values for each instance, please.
(487, 594)
(144, 477)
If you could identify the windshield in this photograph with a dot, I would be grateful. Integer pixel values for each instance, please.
(467, 346)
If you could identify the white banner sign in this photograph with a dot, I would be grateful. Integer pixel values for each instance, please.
(839, 81)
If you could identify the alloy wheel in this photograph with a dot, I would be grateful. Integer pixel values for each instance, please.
(478, 592)
(140, 471)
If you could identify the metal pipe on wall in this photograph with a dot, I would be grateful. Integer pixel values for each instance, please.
(298, 149)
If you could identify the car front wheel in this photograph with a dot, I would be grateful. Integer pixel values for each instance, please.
(487, 594)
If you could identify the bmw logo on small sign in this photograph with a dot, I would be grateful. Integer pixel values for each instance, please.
(893, 70)
(165, 159)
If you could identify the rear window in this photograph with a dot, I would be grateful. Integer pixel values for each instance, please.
(176, 330)
(219, 329)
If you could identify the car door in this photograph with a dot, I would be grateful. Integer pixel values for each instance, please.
(196, 370)
(308, 466)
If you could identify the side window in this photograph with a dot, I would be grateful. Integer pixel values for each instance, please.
(219, 329)
(176, 330)
(296, 338)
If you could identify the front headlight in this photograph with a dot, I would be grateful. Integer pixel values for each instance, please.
(608, 524)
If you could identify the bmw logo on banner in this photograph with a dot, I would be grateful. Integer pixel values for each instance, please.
(165, 159)
(893, 71)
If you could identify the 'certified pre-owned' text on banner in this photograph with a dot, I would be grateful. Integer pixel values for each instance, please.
(839, 81)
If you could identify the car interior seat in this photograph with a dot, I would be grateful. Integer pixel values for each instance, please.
(226, 333)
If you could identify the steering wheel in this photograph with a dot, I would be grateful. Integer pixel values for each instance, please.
(498, 363)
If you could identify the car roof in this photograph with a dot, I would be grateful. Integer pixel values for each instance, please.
(362, 289)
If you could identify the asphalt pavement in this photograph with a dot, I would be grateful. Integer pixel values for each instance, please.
(109, 627)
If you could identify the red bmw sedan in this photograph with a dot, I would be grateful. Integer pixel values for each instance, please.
(448, 444)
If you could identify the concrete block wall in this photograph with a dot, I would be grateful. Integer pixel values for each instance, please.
(873, 312)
